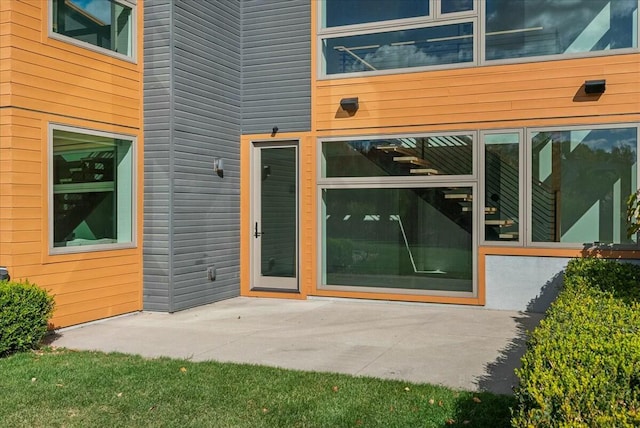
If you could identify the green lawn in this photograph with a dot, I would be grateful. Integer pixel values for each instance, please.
(56, 388)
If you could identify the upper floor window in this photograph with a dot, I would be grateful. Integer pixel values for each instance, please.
(348, 12)
(365, 36)
(104, 25)
(529, 28)
(92, 190)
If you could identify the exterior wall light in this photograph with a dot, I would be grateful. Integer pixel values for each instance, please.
(595, 86)
(4, 274)
(349, 104)
(218, 166)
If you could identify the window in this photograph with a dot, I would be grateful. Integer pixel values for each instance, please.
(580, 179)
(502, 194)
(409, 239)
(398, 214)
(417, 47)
(410, 156)
(530, 28)
(337, 13)
(104, 25)
(375, 36)
(92, 190)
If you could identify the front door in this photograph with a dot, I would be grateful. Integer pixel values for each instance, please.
(274, 233)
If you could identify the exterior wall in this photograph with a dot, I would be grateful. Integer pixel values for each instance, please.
(501, 96)
(509, 96)
(192, 115)
(157, 124)
(523, 283)
(276, 66)
(45, 81)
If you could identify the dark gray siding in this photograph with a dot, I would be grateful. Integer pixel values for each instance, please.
(276, 65)
(206, 125)
(199, 55)
(157, 113)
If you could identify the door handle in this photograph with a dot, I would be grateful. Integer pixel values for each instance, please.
(256, 233)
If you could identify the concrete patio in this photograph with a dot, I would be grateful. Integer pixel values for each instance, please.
(462, 347)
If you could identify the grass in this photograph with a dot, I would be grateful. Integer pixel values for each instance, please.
(58, 387)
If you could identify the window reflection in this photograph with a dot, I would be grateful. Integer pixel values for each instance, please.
(453, 6)
(580, 181)
(103, 23)
(409, 156)
(347, 12)
(92, 189)
(526, 28)
(410, 239)
(502, 187)
(444, 44)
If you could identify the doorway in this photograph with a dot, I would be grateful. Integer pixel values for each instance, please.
(274, 216)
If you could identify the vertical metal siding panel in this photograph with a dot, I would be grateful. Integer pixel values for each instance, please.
(207, 117)
(276, 71)
(156, 276)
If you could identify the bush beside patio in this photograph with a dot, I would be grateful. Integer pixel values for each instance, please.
(25, 310)
(582, 365)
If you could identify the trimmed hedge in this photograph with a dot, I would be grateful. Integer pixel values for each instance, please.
(25, 310)
(582, 364)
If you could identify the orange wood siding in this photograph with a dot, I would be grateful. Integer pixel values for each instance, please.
(505, 95)
(47, 81)
(62, 78)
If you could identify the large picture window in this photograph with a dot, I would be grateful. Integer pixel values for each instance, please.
(376, 36)
(104, 24)
(408, 239)
(580, 179)
(398, 214)
(92, 192)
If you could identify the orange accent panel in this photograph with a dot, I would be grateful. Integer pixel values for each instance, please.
(463, 97)
(560, 252)
(53, 76)
(400, 297)
(50, 81)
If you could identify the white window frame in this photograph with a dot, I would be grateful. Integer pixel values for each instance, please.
(50, 189)
(133, 58)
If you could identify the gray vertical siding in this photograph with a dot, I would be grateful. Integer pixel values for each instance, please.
(206, 121)
(157, 148)
(276, 65)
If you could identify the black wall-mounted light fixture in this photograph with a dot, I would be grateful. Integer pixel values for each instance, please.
(274, 131)
(349, 104)
(595, 86)
(4, 274)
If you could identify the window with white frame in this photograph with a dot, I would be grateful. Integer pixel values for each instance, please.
(92, 190)
(104, 25)
(372, 36)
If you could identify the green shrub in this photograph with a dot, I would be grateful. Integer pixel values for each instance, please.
(25, 310)
(582, 364)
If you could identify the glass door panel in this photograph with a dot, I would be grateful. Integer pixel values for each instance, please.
(275, 233)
